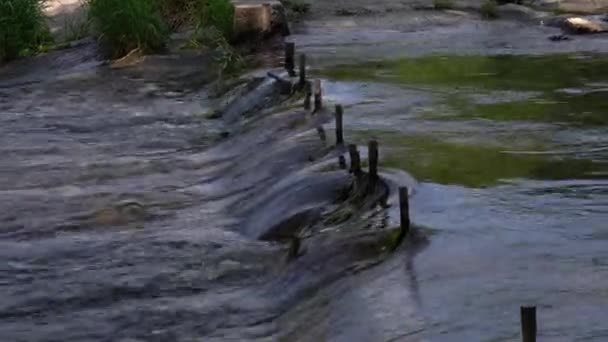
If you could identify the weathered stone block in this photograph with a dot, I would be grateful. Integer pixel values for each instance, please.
(258, 17)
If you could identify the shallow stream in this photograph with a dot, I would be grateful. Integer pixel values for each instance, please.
(128, 214)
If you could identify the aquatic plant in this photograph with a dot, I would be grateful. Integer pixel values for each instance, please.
(23, 28)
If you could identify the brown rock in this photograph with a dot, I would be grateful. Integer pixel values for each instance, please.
(258, 17)
(581, 25)
(121, 213)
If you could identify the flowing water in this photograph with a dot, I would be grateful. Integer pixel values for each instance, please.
(512, 155)
(128, 214)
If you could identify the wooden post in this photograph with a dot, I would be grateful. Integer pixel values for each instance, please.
(302, 82)
(404, 210)
(294, 248)
(339, 130)
(372, 149)
(373, 159)
(308, 96)
(318, 94)
(355, 159)
(290, 49)
(528, 323)
(342, 162)
(321, 132)
(285, 85)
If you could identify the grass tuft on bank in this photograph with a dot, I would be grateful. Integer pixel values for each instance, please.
(124, 25)
(23, 29)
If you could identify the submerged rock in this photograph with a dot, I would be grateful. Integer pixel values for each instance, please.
(122, 212)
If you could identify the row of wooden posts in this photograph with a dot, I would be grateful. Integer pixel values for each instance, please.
(355, 158)
(528, 314)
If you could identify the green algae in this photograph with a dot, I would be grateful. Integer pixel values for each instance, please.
(473, 165)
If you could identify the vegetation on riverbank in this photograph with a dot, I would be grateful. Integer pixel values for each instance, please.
(120, 25)
(23, 28)
(489, 9)
(123, 25)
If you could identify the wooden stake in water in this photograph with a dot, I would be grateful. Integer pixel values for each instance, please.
(404, 210)
(318, 94)
(528, 323)
(302, 82)
(373, 159)
(372, 149)
(322, 134)
(342, 162)
(294, 248)
(339, 131)
(290, 50)
(308, 96)
(355, 159)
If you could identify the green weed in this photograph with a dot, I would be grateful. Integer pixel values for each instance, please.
(124, 25)
(23, 28)
(219, 14)
(489, 9)
(443, 4)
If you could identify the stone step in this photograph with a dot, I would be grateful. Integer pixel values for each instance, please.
(258, 17)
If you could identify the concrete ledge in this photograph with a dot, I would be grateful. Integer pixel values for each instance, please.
(258, 17)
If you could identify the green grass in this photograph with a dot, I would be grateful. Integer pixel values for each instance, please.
(489, 9)
(443, 4)
(75, 29)
(124, 25)
(22, 28)
(219, 14)
(179, 14)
